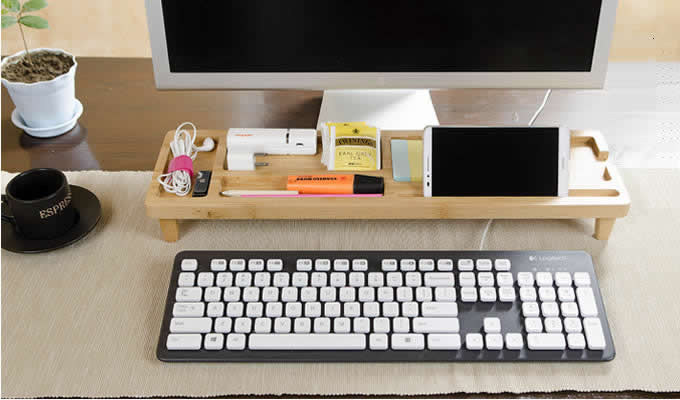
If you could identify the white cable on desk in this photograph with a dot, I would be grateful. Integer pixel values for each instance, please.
(531, 123)
(179, 182)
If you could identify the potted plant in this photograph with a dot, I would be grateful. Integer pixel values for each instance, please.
(41, 82)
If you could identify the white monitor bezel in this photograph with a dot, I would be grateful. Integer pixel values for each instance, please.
(381, 80)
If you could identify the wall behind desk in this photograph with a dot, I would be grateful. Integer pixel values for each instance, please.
(645, 30)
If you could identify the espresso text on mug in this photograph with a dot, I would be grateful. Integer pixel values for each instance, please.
(55, 209)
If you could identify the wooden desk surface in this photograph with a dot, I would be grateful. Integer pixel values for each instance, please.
(126, 118)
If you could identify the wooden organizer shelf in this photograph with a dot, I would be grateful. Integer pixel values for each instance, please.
(595, 191)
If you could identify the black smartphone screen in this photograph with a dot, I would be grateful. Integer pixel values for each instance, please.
(512, 161)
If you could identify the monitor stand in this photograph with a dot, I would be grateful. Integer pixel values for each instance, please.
(388, 109)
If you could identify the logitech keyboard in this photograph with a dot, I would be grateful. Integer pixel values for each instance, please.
(359, 306)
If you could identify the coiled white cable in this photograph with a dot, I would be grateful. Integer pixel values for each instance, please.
(179, 182)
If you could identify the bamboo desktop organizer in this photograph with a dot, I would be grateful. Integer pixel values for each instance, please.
(595, 191)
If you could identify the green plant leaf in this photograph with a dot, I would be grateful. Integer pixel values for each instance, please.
(12, 5)
(33, 5)
(33, 21)
(4, 11)
(8, 20)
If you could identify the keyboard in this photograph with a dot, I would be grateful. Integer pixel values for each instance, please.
(375, 306)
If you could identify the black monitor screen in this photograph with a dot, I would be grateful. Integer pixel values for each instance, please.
(380, 35)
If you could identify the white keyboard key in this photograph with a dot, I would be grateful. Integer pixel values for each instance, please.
(332, 309)
(360, 265)
(338, 279)
(474, 341)
(401, 325)
(254, 310)
(281, 325)
(215, 309)
(232, 294)
(243, 325)
(594, 333)
(303, 325)
(525, 279)
(186, 279)
(586, 301)
(394, 279)
(423, 294)
(243, 279)
(494, 341)
(224, 279)
(492, 325)
(407, 265)
(235, 309)
(222, 325)
(553, 325)
(504, 279)
(487, 294)
(408, 341)
(392, 309)
(293, 310)
(251, 294)
(546, 341)
(426, 264)
(190, 264)
(262, 279)
(550, 309)
(347, 294)
(366, 294)
(544, 279)
(527, 293)
(274, 310)
(362, 325)
(237, 265)
(275, 265)
(485, 279)
(341, 265)
(300, 279)
(322, 325)
(212, 294)
(445, 264)
(514, 341)
(376, 279)
(381, 325)
(327, 294)
(439, 309)
(341, 325)
(562, 279)
(467, 279)
(236, 341)
(281, 279)
(404, 294)
(436, 325)
(389, 265)
(190, 325)
(371, 309)
(312, 309)
(502, 264)
(465, 264)
(468, 294)
(483, 264)
(442, 341)
(256, 265)
(547, 293)
(445, 294)
(188, 309)
(385, 294)
(263, 325)
(184, 341)
(413, 279)
(189, 294)
(530, 309)
(581, 279)
(566, 294)
(569, 309)
(270, 294)
(409, 309)
(533, 325)
(213, 341)
(308, 294)
(576, 341)
(572, 325)
(322, 264)
(439, 279)
(304, 264)
(378, 341)
(352, 309)
(506, 294)
(356, 279)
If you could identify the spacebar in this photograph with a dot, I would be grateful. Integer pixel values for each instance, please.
(289, 341)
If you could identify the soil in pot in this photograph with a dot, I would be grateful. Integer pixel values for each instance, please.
(45, 66)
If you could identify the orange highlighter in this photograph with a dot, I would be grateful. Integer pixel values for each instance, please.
(336, 184)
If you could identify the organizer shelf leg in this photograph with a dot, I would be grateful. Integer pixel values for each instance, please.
(170, 229)
(603, 228)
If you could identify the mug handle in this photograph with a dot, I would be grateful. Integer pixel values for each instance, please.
(7, 217)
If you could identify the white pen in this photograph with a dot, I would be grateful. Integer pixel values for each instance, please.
(239, 193)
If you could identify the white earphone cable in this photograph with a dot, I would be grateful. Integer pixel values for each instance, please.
(179, 182)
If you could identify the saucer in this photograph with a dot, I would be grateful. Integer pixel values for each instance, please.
(51, 131)
(88, 210)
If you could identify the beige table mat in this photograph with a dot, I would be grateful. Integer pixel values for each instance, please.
(85, 320)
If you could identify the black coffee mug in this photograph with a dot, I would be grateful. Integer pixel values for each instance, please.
(39, 202)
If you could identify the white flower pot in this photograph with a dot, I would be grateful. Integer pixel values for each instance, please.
(44, 104)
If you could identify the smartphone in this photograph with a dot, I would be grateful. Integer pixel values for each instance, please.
(500, 161)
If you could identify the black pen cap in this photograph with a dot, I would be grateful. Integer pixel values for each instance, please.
(364, 184)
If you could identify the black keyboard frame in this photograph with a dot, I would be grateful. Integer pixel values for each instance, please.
(470, 314)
